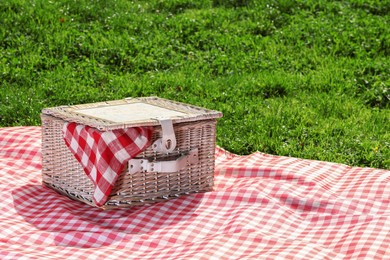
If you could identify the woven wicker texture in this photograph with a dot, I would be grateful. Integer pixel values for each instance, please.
(62, 172)
(77, 113)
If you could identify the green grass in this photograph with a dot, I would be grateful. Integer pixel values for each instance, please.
(300, 78)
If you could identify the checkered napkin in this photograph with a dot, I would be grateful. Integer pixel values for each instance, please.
(103, 155)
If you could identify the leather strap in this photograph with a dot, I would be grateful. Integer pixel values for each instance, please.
(167, 143)
(137, 165)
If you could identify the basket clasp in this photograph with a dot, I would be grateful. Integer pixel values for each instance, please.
(167, 143)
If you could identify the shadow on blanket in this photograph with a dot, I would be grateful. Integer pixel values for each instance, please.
(72, 223)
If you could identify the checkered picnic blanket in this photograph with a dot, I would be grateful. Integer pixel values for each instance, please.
(262, 207)
(103, 155)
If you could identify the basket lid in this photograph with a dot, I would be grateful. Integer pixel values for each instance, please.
(130, 112)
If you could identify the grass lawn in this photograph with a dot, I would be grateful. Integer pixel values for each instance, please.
(301, 78)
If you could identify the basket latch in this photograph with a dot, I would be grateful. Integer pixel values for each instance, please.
(167, 143)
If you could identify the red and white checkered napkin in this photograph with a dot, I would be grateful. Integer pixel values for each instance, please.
(103, 155)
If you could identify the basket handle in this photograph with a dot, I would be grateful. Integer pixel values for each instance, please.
(145, 165)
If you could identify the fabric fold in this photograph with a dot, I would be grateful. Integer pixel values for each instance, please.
(104, 154)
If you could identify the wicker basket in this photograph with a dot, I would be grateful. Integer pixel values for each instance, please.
(194, 133)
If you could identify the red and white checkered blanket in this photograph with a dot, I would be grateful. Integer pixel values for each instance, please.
(103, 155)
(262, 207)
